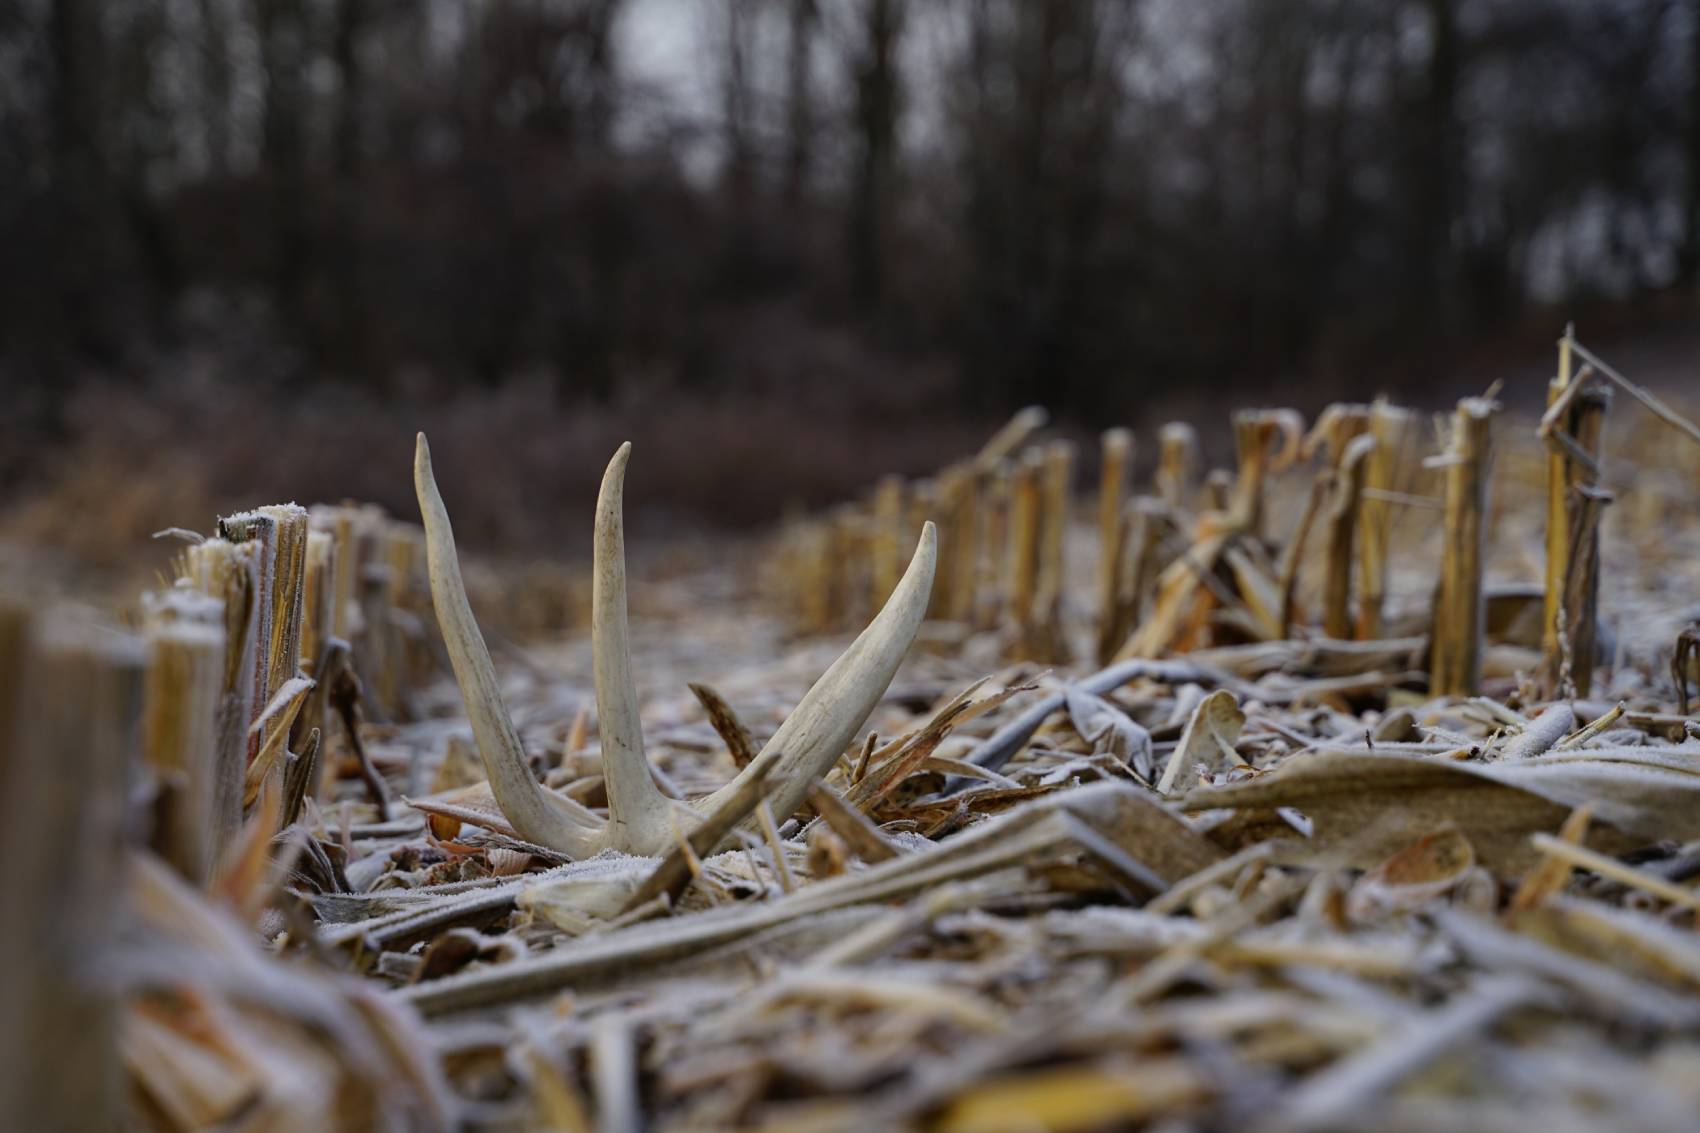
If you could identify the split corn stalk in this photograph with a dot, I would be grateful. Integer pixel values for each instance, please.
(1456, 662)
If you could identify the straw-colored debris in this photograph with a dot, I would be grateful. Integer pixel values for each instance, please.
(1300, 800)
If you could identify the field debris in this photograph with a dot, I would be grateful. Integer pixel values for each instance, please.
(1277, 799)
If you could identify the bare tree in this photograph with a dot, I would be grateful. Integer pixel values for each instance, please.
(738, 98)
(1689, 264)
(878, 105)
(282, 29)
(83, 222)
(1045, 96)
(1105, 187)
(802, 17)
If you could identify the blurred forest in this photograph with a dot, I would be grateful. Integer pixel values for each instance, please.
(774, 208)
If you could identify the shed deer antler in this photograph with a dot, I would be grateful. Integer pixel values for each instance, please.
(537, 815)
(640, 817)
(637, 810)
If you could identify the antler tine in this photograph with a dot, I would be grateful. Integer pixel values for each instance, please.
(538, 817)
(638, 813)
(830, 714)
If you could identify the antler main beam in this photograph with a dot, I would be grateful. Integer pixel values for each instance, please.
(640, 818)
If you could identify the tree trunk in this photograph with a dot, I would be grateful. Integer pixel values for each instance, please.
(82, 204)
(799, 106)
(1439, 168)
(1689, 264)
(878, 95)
(282, 52)
(216, 85)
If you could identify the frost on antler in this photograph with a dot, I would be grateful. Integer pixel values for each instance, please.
(640, 817)
(830, 714)
(638, 813)
(535, 814)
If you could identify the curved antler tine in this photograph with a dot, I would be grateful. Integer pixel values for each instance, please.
(829, 715)
(536, 816)
(638, 813)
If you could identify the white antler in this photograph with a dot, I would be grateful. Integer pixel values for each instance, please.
(640, 816)
(638, 813)
(828, 717)
(536, 815)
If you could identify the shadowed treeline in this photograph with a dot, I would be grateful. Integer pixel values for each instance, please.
(872, 207)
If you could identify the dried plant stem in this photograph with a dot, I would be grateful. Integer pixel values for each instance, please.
(960, 492)
(180, 696)
(280, 531)
(1185, 594)
(776, 847)
(1336, 427)
(1456, 663)
(336, 666)
(1117, 450)
(829, 575)
(1572, 541)
(1099, 819)
(1011, 436)
(1599, 724)
(1177, 463)
(344, 696)
(1292, 555)
(62, 787)
(317, 598)
(1021, 571)
(350, 552)
(998, 485)
(1558, 490)
(1541, 734)
(1579, 620)
(1337, 1097)
(614, 1070)
(228, 572)
(1385, 475)
(1053, 564)
(923, 504)
(372, 653)
(1256, 432)
(858, 832)
(1551, 872)
(274, 723)
(726, 724)
(1654, 404)
(404, 559)
(319, 592)
(817, 578)
(845, 564)
(676, 870)
(1581, 857)
(1218, 490)
(1145, 522)
(1343, 512)
(383, 586)
(998, 748)
(886, 537)
(299, 774)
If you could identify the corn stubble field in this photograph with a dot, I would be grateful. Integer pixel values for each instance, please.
(1354, 787)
